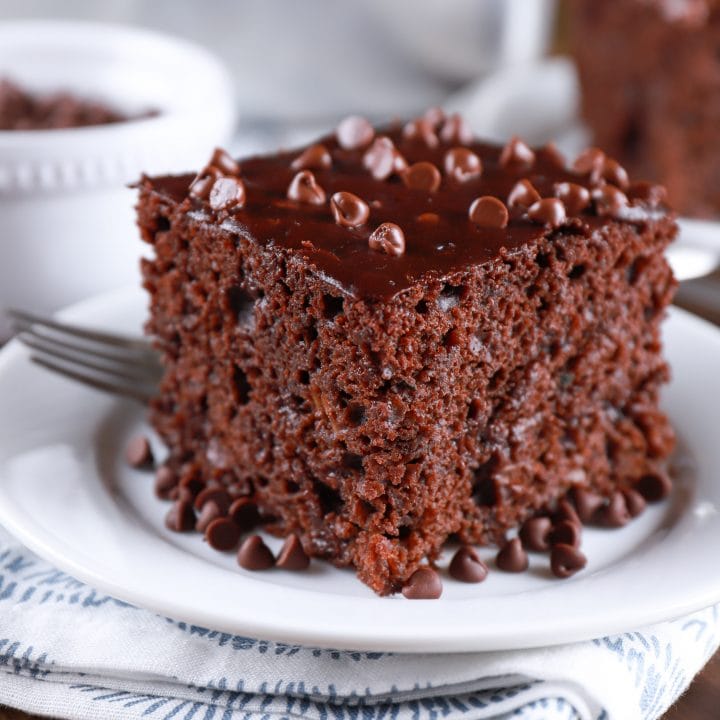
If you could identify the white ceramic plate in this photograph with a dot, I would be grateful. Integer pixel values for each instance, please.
(65, 493)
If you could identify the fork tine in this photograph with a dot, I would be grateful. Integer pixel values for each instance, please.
(114, 388)
(97, 336)
(120, 369)
(45, 342)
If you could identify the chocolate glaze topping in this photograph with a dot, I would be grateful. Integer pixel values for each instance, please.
(273, 215)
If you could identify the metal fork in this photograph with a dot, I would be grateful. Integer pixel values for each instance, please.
(116, 364)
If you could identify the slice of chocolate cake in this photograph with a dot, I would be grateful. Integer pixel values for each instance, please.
(650, 75)
(393, 337)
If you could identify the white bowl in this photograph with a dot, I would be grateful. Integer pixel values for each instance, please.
(67, 217)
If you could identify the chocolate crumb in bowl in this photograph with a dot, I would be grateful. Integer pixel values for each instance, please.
(138, 453)
(254, 554)
(181, 516)
(423, 584)
(222, 534)
(335, 364)
(535, 534)
(292, 556)
(512, 557)
(566, 560)
(466, 566)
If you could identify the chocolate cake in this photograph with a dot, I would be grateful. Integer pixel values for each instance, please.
(394, 337)
(650, 76)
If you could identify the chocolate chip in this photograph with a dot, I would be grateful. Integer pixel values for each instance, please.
(488, 212)
(165, 482)
(349, 210)
(566, 560)
(421, 130)
(609, 200)
(649, 193)
(210, 511)
(316, 157)
(635, 502)
(523, 195)
(586, 503)
(305, 189)
(566, 533)
(382, 159)
(227, 193)
(615, 173)
(654, 486)
(201, 186)
(422, 176)
(575, 197)
(565, 511)
(181, 516)
(535, 534)
(517, 154)
(222, 534)
(190, 482)
(388, 238)
(138, 453)
(354, 132)
(615, 513)
(254, 554)
(590, 162)
(466, 566)
(429, 218)
(553, 155)
(512, 557)
(423, 584)
(244, 513)
(548, 211)
(224, 163)
(292, 556)
(434, 115)
(462, 164)
(456, 130)
(217, 494)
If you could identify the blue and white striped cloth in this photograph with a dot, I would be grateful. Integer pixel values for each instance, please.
(69, 651)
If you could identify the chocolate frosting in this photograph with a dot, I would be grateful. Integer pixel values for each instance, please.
(440, 237)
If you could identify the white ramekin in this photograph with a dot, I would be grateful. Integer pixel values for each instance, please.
(67, 227)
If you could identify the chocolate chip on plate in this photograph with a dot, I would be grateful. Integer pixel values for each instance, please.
(222, 534)
(292, 556)
(466, 566)
(254, 554)
(566, 560)
(654, 486)
(586, 503)
(635, 502)
(423, 584)
(165, 482)
(566, 533)
(462, 164)
(181, 516)
(535, 534)
(244, 513)
(138, 453)
(210, 511)
(217, 494)
(566, 511)
(614, 513)
(512, 557)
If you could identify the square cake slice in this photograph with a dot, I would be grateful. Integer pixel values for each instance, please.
(394, 337)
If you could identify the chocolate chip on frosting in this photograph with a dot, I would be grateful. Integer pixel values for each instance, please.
(434, 115)
(455, 129)
(523, 195)
(349, 210)
(535, 534)
(615, 174)
(224, 163)
(201, 186)
(354, 132)
(466, 566)
(590, 162)
(254, 554)
(316, 157)
(422, 176)
(388, 238)
(423, 584)
(566, 560)
(227, 193)
(382, 159)
(512, 557)
(646, 192)
(566, 533)
(304, 188)
(489, 212)
(609, 200)
(462, 164)
(575, 197)
(292, 556)
(517, 154)
(548, 211)
(421, 130)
